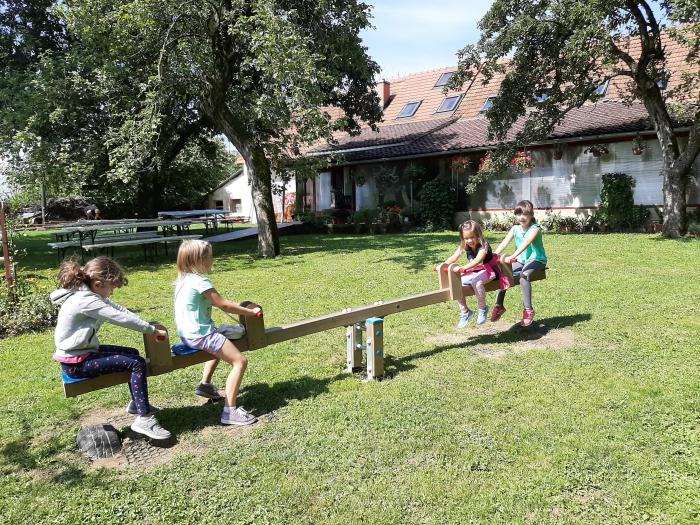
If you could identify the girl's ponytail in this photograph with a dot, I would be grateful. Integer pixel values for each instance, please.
(71, 275)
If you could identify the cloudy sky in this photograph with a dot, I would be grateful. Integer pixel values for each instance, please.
(414, 35)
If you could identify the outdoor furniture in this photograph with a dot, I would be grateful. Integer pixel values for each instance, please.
(86, 236)
(210, 218)
(232, 218)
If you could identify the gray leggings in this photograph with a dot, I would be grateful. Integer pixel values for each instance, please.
(525, 273)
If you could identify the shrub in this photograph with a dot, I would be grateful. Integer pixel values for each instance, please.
(500, 223)
(315, 223)
(437, 205)
(30, 310)
(617, 209)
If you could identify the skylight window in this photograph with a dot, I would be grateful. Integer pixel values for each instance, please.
(602, 89)
(444, 79)
(409, 109)
(541, 97)
(487, 105)
(449, 104)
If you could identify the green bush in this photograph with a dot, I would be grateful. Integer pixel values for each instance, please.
(500, 223)
(30, 310)
(617, 210)
(437, 205)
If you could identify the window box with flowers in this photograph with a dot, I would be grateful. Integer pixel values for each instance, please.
(597, 150)
(522, 162)
(638, 145)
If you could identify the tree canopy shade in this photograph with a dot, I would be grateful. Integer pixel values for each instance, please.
(567, 48)
(75, 113)
(260, 72)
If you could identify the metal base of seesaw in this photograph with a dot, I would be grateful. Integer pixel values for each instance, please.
(368, 318)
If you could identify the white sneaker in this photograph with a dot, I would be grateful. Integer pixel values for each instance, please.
(149, 426)
(481, 318)
(464, 318)
(238, 416)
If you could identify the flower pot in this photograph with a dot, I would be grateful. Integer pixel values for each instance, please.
(597, 153)
(557, 156)
(637, 151)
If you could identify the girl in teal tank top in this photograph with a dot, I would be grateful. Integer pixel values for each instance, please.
(528, 257)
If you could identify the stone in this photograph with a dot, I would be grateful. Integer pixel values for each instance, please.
(99, 441)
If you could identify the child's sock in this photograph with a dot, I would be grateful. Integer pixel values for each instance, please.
(204, 384)
(228, 410)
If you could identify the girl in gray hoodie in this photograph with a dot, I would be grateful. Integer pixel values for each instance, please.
(85, 306)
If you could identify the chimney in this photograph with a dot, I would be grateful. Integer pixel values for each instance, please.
(384, 91)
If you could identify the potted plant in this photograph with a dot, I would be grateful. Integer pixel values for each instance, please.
(597, 150)
(522, 162)
(638, 145)
(558, 150)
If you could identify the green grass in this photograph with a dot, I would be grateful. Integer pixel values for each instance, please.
(597, 422)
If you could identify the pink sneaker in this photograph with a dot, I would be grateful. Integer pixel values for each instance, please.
(528, 316)
(497, 312)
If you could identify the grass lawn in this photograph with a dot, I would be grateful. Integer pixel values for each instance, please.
(597, 421)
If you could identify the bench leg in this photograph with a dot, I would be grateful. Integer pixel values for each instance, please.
(353, 336)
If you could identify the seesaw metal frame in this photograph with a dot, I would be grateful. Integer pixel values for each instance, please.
(368, 319)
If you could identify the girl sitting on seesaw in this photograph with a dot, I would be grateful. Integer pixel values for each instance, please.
(85, 306)
(529, 256)
(194, 296)
(481, 267)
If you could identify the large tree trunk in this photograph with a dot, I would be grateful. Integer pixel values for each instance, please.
(260, 177)
(675, 218)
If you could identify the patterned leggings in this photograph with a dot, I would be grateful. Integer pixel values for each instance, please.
(525, 273)
(110, 358)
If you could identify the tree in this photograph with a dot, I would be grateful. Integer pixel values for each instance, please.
(76, 115)
(567, 48)
(260, 72)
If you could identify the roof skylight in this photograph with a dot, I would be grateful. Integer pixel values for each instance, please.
(409, 109)
(444, 79)
(449, 104)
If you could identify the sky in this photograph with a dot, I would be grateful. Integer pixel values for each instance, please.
(414, 35)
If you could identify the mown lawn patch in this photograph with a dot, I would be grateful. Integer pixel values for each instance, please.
(593, 419)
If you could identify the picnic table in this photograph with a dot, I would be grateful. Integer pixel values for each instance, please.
(86, 235)
(206, 217)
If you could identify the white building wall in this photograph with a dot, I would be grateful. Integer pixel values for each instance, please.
(239, 188)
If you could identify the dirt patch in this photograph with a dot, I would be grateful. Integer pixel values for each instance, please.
(495, 340)
(143, 453)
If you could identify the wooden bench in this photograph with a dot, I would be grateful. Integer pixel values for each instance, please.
(228, 220)
(153, 240)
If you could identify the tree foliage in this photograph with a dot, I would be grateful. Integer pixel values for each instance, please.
(566, 49)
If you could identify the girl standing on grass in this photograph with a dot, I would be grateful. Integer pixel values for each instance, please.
(480, 269)
(194, 296)
(85, 306)
(529, 256)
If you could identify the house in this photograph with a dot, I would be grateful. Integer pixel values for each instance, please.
(424, 130)
(234, 196)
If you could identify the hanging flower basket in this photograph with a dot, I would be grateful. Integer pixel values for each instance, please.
(558, 151)
(522, 162)
(597, 150)
(459, 164)
(638, 145)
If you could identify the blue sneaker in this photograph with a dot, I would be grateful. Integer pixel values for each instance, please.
(464, 318)
(481, 318)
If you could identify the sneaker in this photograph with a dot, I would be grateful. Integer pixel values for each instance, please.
(464, 318)
(497, 312)
(239, 416)
(528, 316)
(209, 391)
(148, 426)
(131, 409)
(481, 318)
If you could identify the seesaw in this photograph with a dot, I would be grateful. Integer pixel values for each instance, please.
(162, 358)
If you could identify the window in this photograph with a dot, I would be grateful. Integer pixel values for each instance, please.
(219, 205)
(449, 104)
(444, 79)
(602, 89)
(487, 105)
(236, 206)
(409, 109)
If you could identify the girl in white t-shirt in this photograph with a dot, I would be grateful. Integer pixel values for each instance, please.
(194, 296)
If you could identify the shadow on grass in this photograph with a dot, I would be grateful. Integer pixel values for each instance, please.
(514, 334)
(259, 398)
